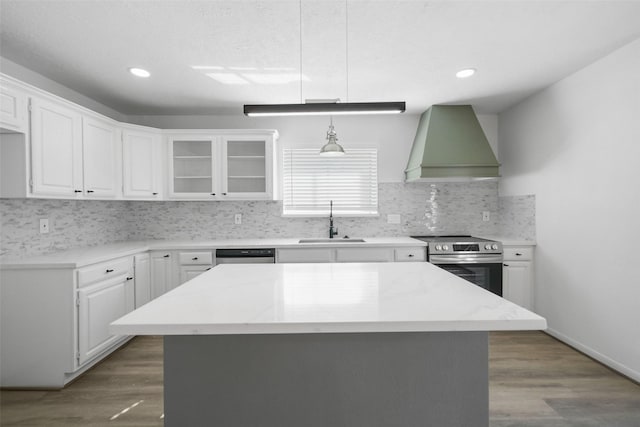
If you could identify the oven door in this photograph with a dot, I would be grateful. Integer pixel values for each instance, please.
(481, 270)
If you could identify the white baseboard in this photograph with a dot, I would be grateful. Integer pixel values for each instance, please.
(623, 369)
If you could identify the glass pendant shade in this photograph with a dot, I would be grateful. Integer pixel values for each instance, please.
(332, 148)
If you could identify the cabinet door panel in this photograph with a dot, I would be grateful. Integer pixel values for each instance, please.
(56, 141)
(161, 273)
(193, 167)
(517, 283)
(142, 276)
(247, 167)
(100, 305)
(188, 272)
(99, 158)
(141, 164)
(364, 254)
(305, 255)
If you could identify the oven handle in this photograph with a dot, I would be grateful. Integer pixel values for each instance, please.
(457, 259)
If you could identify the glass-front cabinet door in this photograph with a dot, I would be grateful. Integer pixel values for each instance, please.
(193, 167)
(247, 167)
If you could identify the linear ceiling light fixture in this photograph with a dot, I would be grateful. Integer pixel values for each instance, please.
(325, 108)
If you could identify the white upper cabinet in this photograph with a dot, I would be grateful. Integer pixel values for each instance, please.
(247, 167)
(56, 149)
(222, 167)
(13, 108)
(141, 157)
(194, 167)
(99, 158)
(73, 156)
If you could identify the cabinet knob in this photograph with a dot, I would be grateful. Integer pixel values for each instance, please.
(208, 269)
(194, 258)
(506, 265)
(129, 278)
(109, 270)
(213, 194)
(410, 255)
(518, 254)
(89, 191)
(166, 256)
(77, 191)
(224, 194)
(155, 194)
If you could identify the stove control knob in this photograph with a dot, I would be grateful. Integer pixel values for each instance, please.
(494, 247)
(445, 247)
(487, 246)
(438, 247)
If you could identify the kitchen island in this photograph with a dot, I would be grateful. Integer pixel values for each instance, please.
(354, 344)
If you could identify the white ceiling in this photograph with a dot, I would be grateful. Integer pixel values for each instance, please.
(397, 50)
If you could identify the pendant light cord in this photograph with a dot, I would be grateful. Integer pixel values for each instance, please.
(346, 37)
(300, 35)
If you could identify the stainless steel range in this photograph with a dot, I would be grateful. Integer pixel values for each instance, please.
(476, 260)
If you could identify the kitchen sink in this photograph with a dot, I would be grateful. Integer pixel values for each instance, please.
(331, 241)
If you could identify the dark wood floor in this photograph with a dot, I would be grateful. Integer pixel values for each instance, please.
(534, 381)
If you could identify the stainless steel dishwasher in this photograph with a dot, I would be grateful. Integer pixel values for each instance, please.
(246, 256)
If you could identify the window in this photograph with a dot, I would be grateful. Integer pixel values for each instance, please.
(310, 181)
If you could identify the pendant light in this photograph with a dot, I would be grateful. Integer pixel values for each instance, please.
(326, 108)
(332, 148)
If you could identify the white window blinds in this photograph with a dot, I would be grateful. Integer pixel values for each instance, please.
(310, 181)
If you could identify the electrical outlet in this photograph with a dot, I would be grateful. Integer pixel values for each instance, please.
(237, 219)
(486, 215)
(393, 219)
(44, 225)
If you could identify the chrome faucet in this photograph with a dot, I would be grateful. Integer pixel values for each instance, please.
(332, 231)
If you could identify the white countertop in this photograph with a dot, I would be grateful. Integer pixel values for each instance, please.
(325, 298)
(76, 258)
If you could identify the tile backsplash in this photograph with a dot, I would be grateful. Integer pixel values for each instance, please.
(439, 208)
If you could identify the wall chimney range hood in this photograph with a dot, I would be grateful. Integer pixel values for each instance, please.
(450, 145)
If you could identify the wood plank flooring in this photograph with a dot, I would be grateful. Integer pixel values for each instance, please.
(535, 381)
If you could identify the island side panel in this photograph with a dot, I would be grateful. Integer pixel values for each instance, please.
(318, 380)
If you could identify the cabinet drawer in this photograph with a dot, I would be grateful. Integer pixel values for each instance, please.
(410, 254)
(364, 254)
(105, 270)
(195, 258)
(305, 255)
(518, 254)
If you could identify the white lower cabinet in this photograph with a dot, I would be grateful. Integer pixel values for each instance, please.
(354, 254)
(194, 263)
(54, 321)
(142, 274)
(98, 306)
(364, 254)
(163, 276)
(517, 275)
(305, 255)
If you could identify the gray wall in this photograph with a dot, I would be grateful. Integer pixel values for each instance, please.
(576, 147)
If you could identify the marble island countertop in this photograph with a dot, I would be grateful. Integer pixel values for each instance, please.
(80, 257)
(325, 298)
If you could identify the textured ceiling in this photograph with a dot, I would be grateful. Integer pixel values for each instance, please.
(210, 57)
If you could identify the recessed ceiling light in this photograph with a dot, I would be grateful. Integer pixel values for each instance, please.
(139, 72)
(467, 72)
